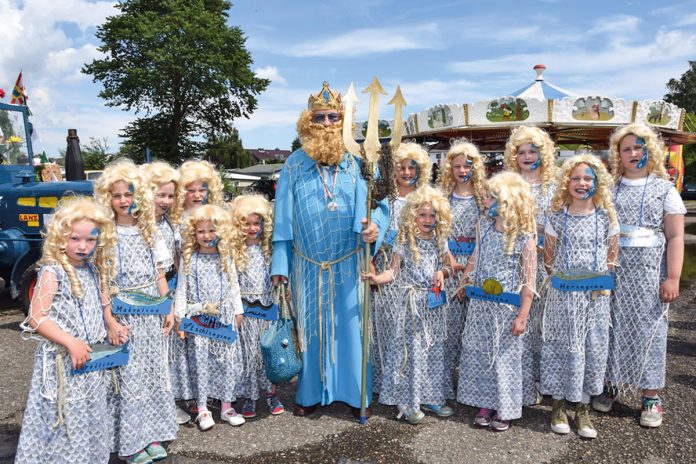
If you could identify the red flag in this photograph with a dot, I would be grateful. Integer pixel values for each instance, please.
(19, 96)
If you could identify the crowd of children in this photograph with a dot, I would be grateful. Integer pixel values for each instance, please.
(538, 281)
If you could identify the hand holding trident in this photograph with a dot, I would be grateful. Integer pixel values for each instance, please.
(373, 153)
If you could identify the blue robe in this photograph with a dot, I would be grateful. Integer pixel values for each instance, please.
(326, 299)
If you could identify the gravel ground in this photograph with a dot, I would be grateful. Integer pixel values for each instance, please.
(332, 436)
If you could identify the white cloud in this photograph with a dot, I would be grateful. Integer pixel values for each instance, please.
(271, 72)
(368, 41)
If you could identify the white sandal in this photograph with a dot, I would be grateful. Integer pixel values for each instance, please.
(205, 420)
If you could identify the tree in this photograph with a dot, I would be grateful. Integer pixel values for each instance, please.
(179, 63)
(227, 151)
(296, 144)
(95, 154)
(682, 93)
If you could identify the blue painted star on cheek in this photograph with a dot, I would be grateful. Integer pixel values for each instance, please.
(590, 172)
(643, 159)
(260, 232)
(207, 192)
(134, 206)
(537, 163)
(214, 242)
(493, 209)
(435, 223)
(93, 233)
(415, 178)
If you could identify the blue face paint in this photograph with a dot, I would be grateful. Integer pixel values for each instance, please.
(493, 209)
(260, 232)
(590, 172)
(434, 224)
(214, 242)
(93, 233)
(415, 178)
(643, 159)
(207, 192)
(132, 208)
(537, 163)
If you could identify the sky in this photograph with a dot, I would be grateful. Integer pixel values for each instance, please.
(437, 51)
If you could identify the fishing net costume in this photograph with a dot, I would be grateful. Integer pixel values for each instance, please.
(317, 247)
(178, 349)
(490, 370)
(532, 339)
(465, 215)
(142, 405)
(414, 370)
(255, 284)
(638, 337)
(385, 310)
(65, 419)
(576, 323)
(214, 365)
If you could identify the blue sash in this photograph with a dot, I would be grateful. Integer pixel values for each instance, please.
(104, 356)
(260, 311)
(436, 300)
(210, 327)
(479, 293)
(141, 304)
(461, 247)
(582, 281)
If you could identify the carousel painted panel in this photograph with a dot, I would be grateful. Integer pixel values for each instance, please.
(658, 113)
(439, 117)
(384, 129)
(592, 109)
(411, 125)
(506, 110)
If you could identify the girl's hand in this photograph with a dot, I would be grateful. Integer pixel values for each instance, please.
(461, 293)
(79, 353)
(117, 333)
(519, 324)
(439, 280)
(168, 323)
(458, 267)
(239, 318)
(179, 332)
(669, 290)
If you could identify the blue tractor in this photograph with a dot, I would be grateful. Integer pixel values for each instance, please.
(26, 204)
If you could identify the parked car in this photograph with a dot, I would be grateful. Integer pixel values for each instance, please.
(265, 187)
(689, 192)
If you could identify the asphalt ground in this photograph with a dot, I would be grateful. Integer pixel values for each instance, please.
(333, 436)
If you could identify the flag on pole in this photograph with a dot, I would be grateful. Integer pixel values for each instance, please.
(19, 95)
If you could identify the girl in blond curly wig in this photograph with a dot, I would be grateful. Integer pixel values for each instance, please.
(66, 313)
(463, 180)
(252, 217)
(581, 239)
(164, 180)
(501, 275)
(414, 376)
(208, 287)
(199, 184)
(145, 405)
(530, 152)
(651, 254)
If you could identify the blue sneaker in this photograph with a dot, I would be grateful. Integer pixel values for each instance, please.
(141, 457)
(440, 410)
(275, 407)
(156, 451)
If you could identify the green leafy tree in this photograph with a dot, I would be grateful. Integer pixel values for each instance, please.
(180, 65)
(227, 151)
(95, 154)
(296, 144)
(682, 92)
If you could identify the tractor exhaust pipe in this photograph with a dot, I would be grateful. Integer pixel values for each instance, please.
(74, 166)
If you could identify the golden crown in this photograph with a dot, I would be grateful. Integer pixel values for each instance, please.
(325, 99)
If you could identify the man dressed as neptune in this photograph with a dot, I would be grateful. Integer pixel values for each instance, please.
(320, 227)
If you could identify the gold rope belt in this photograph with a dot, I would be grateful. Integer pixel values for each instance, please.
(325, 266)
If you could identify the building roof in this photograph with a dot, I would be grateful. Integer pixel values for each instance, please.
(262, 170)
(540, 89)
(262, 154)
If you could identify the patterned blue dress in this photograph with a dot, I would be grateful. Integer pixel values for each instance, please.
(143, 405)
(214, 365)
(85, 433)
(490, 370)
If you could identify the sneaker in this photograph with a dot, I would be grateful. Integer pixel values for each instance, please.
(583, 421)
(442, 411)
(141, 457)
(498, 424)
(275, 407)
(651, 415)
(483, 418)
(205, 420)
(413, 417)
(231, 416)
(559, 418)
(249, 409)
(604, 402)
(182, 416)
(156, 451)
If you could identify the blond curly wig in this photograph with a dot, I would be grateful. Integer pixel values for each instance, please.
(159, 173)
(125, 170)
(516, 206)
(656, 150)
(222, 222)
(70, 211)
(415, 152)
(408, 229)
(536, 136)
(192, 171)
(602, 197)
(478, 174)
(242, 207)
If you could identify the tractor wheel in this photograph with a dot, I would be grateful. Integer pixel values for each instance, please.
(26, 287)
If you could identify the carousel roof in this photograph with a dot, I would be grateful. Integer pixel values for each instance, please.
(541, 89)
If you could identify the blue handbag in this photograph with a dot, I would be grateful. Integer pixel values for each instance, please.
(278, 345)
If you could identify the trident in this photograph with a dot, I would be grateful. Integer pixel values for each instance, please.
(370, 152)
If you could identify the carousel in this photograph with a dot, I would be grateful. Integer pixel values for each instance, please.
(575, 122)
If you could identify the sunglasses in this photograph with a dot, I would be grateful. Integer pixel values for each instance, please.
(319, 118)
